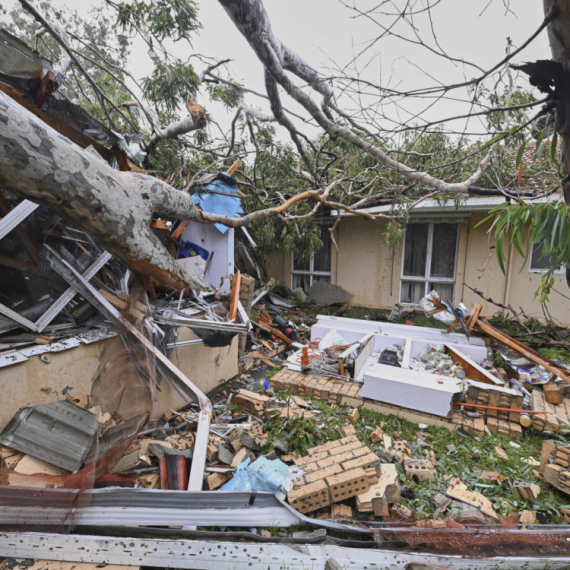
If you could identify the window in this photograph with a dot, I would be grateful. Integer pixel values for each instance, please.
(429, 259)
(538, 262)
(318, 268)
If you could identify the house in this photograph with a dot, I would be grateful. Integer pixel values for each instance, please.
(445, 248)
(71, 361)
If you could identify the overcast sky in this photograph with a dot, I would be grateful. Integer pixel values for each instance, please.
(327, 33)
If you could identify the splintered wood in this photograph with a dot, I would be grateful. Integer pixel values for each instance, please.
(333, 472)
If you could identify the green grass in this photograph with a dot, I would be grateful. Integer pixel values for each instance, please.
(473, 452)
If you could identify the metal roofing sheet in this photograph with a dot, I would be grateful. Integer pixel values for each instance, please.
(60, 433)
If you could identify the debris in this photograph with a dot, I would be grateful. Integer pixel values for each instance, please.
(501, 453)
(325, 293)
(526, 490)
(458, 490)
(347, 430)
(382, 494)
(340, 511)
(59, 433)
(419, 470)
(263, 475)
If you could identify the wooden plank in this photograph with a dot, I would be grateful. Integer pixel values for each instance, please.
(179, 230)
(474, 316)
(234, 167)
(235, 296)
(276, 332)
(472, 369)
(523, 350)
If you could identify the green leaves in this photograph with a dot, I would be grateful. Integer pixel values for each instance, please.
(526, 224)
(170, 84)
(175, 19)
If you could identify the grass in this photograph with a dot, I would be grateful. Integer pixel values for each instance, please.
(472, 453)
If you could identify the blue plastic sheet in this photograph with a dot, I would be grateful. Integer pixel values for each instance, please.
(218, 204)
(262, 475)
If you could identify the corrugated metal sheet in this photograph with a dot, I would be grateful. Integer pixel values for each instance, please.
(60, 433)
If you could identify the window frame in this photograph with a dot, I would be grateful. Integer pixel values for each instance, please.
(311, 273)
(426, 278)
(560, 271)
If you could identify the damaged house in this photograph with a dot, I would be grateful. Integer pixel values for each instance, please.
(446, 248)
(159, 411)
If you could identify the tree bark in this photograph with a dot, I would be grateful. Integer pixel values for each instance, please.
(116, 208)
(251, 19)
(559, 37)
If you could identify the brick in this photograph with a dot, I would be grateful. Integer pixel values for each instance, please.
(310, 497)
(332, 459)
(300, 461)
(363, 461)
(551, 473)
(418, 470)
(352, 446)
(552, 394)
(376, 435)
(353, 416)
(324, 447)
(323, 473)
(341, 512)
(215, 480)
(347, 430)
(347, 484)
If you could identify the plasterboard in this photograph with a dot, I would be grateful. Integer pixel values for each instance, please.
(411, 389)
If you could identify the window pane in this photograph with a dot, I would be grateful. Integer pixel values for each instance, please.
(444, 290)
(303, 281)
(443, 250)
(301, 265)
(537, 261)
(412, 291)
(323, 256)
(415, 250)
(326, 278)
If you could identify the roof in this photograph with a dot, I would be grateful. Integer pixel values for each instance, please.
(449, 207)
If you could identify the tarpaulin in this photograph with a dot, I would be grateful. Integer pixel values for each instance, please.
(219, 204)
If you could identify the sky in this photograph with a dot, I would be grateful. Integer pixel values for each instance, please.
(328, 33)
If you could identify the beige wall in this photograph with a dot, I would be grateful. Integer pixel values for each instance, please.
(371, 271)
(35, 382)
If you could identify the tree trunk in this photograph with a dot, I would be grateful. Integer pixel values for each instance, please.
(559, 37)
(114, 207)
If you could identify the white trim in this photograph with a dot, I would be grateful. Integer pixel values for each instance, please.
(448, 208)
(427, 278)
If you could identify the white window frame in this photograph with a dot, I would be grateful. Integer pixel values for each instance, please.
(531, 269)
(427, 276)
(311, 273)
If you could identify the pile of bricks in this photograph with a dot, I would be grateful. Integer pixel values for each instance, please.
(487, 395)
(548, 422)
(251, 402)
(348, 393)
(555, 465)
(494, 425)
(333, 472)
